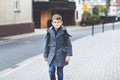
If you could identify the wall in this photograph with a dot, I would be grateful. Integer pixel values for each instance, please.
(78, 11)
(15, 18)
(9, 16)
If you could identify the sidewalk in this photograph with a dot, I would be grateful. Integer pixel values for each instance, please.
(94, 58)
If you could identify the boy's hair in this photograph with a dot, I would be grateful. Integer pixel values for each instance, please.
(56, 17)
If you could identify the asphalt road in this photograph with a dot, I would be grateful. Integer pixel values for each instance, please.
(19, 50)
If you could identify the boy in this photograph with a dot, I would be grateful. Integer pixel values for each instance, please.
(58, 48)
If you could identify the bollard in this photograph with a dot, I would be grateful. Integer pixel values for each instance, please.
(92, 28)
(113, 25)
(102, 26)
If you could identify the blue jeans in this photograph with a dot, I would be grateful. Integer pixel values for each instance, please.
(52, 69)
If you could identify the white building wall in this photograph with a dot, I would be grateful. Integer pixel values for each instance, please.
(113, 8)
(10, 15)
(78, 11)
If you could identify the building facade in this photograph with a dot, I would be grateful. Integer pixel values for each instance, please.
(114, 7)
(78, 11)
(15, 17)
(44, 9)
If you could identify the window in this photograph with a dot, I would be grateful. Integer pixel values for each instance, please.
(16, 6)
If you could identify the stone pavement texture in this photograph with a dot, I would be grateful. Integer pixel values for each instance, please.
(94, 58)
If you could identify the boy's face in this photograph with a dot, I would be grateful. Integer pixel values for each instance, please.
(57, 23)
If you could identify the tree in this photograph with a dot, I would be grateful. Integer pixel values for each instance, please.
(99, 10)
(96, 10)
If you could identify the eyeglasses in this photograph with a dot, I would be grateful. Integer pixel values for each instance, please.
(57, 22)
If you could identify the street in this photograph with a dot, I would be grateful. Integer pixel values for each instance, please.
(19, 50)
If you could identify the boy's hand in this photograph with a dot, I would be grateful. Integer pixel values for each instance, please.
(67, 59)
(46, 59)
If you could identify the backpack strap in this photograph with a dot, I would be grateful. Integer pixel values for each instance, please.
(66, 35)
(48, 35)
(48, 32)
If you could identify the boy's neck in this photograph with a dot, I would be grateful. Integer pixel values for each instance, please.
(57, 28)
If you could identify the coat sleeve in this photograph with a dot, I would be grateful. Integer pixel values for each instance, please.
(68, 45)
(46, 47)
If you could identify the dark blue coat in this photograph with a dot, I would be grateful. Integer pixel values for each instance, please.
(56, 48)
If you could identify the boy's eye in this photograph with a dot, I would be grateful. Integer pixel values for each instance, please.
(56, 22)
